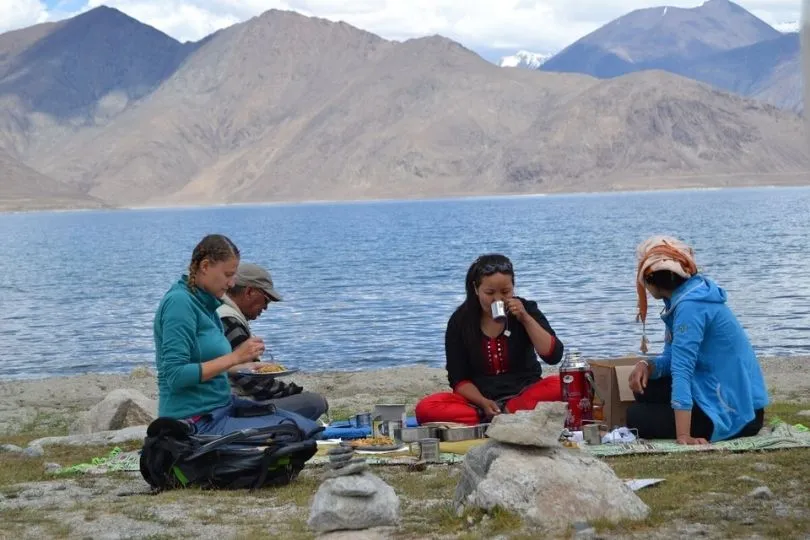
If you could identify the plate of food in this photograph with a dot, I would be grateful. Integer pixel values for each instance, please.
(374, 444)
(268, 369)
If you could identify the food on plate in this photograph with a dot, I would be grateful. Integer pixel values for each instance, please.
(371, 441)
(269, 368)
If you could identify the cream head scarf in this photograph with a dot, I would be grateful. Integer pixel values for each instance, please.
(660, 253)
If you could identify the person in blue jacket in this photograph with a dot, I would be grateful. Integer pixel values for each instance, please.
(193, 356)
(706, 385)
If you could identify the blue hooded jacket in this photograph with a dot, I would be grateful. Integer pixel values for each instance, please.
(710, 358)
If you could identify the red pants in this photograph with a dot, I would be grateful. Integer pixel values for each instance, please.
(453, 407)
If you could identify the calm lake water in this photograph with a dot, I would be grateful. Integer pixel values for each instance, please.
(372, 284)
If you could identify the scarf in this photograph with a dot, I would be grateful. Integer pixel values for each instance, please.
(655, 254)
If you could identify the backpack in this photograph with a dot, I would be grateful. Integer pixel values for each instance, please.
(174, 456)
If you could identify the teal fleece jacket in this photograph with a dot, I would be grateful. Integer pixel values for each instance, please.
(187, 333)
(710, 358)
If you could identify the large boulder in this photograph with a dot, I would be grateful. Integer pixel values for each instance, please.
(121, 408)
(550, 488)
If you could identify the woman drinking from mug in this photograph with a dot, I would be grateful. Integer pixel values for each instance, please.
(492, 362)
(706, 385)
(193, 355)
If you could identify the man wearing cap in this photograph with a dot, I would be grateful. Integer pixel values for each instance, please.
(245, 301)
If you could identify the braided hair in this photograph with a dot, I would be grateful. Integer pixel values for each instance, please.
(215, 248)
(469, 312)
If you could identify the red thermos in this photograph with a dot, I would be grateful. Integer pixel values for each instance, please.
(576, 380)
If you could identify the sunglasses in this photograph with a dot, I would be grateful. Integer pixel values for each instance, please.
(495, 268)
(267, 297)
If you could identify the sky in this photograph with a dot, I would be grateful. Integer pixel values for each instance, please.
(543, 26)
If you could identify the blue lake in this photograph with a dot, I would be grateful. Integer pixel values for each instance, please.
(371, 284)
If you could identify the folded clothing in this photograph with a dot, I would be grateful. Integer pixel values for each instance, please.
(345, 429)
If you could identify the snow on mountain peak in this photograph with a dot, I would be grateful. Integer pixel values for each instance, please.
(787, 27)
(524, 59)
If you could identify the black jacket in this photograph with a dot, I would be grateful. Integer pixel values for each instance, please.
(524, 368)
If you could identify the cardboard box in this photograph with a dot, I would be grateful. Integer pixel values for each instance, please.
(611, 378)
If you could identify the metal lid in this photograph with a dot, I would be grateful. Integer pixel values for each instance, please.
(573, 361)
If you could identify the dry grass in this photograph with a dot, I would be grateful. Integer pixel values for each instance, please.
(705, 489)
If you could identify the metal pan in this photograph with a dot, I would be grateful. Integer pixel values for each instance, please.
(413, 434)
(463, 433)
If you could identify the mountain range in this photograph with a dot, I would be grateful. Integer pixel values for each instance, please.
(102, 110)
(718, 43)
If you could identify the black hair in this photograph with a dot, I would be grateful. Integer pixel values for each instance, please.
(469, 312)
(665, 280)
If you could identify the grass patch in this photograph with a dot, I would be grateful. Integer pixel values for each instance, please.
(16, 521)
(787, 412)
(708, 489)
(16, 468)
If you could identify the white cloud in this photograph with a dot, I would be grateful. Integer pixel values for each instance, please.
(539, 25)
(20, 13)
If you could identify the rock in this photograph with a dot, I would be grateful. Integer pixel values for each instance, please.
(120, 409)
(340, 451)
(10, 449)
(803, 413)
(341, 459)
(377, 533)
(520, 479)
(51, 468)
(102, 438)
(355, 485)
(541, 427)
(33, 452)
(762, 492)
(332, 511)
(350, 469)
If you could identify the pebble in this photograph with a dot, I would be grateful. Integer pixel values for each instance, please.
(762, 492)
(352, 468)
(762, 467)
(33, 452)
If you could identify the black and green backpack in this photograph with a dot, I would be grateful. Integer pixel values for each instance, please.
(174, 456)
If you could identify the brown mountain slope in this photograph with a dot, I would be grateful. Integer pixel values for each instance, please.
(21, 187)
(285, 106)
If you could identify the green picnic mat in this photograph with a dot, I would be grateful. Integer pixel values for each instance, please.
(782, 436)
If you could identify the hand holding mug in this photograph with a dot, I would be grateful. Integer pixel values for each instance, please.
(516, 308)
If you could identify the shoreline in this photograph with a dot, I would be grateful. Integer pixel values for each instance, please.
(56, 400)
(629, 189)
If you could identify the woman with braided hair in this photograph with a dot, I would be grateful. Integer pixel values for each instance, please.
(492, 364)
(707, 384)
(193, 355)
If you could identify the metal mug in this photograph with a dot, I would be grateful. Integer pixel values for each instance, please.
(361, 420)
(592, 434)
(498, 309)
(428, 450)
(392, 429)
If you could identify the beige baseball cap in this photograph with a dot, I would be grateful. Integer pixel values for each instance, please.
(253, 275)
